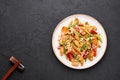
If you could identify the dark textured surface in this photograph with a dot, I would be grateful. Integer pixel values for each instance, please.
(26, 28)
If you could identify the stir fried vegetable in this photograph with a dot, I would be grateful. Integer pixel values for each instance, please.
(79, 42)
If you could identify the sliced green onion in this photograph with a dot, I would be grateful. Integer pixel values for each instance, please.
(90, 41)
(75, 56)
(84, 47)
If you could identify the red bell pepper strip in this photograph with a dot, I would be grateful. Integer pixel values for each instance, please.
(70, 56)
(93, 32)
(95, 52)
(94, 49)
(85, 54)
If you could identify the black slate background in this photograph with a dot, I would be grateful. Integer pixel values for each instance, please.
(26, 28)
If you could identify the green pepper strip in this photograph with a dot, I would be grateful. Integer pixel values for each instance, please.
(77, 33)
(86, 57)
(75, 56)
(90, 41)
(64, 48)
(72, 25)
(99, 38)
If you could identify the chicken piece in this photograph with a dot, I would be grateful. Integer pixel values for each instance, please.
(81, 59)
(91, 55)
(74, 62)
(95, 41)
(76, 20)
(61, 51)
(64, 30)
(90, 58)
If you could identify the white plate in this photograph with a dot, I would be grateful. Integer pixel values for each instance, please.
(83, 18)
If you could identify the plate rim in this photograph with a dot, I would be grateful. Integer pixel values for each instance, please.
(63, 61)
